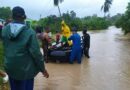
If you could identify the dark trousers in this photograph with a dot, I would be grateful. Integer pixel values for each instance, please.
(21, 84)
(86, 51)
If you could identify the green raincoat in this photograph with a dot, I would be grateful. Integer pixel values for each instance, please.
(22, 57)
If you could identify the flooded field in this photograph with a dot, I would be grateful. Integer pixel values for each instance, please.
(107, 69)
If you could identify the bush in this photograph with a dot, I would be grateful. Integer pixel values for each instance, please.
(95, 23)
(124, 21)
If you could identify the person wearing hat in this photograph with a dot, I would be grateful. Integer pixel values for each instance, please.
(86, 42)
(76, 47)
(22, 57)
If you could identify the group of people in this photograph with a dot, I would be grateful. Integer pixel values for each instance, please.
(70, 38)
(23, 59)
(77, 51)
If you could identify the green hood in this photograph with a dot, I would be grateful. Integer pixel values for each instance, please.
(14, 30)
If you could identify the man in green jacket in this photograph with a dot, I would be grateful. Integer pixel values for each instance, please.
(23, 59)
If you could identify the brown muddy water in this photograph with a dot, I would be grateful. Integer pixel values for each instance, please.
(107, 69)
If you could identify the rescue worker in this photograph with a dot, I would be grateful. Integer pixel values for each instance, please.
(86, 42)
(76, 47)
(45, 42)
(66, 33)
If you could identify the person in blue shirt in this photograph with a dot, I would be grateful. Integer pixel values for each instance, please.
(76, 47)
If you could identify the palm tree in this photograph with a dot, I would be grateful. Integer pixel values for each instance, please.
(106, 6)
(56, 3)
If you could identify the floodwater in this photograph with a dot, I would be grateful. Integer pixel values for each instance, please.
(107, 69)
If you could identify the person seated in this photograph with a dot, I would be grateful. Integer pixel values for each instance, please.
(76, 47)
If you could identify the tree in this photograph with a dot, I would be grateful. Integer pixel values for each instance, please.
(124, 21)
(106, 6)
(56, 3)
(54, 22)
(72, 14)
(95, 23)
(115, 18)
(5, 12)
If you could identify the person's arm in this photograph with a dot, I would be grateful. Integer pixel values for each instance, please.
(89, 41)
(70, 38)
(34, 50)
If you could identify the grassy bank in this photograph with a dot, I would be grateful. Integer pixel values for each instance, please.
(2, 86)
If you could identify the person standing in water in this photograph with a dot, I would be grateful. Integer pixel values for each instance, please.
(45, 42)
(86, 42)
(76, 46)
(22, 57)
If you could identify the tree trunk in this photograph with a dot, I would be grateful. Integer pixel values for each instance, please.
(59, 10)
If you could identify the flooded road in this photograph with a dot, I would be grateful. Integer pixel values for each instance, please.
(107, 69)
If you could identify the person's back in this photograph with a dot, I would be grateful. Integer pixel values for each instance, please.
(16, 38)
(76, 40)
(86, 40)
(76, 47)
(22, 57)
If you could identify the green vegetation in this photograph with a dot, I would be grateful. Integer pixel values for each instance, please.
(92, 22)
(5, 13)
(2, 86)
(115, 18)
(96, 23)
(124, 21)
(106, 6)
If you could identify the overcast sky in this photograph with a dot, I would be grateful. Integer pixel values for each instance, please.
(82, 8)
